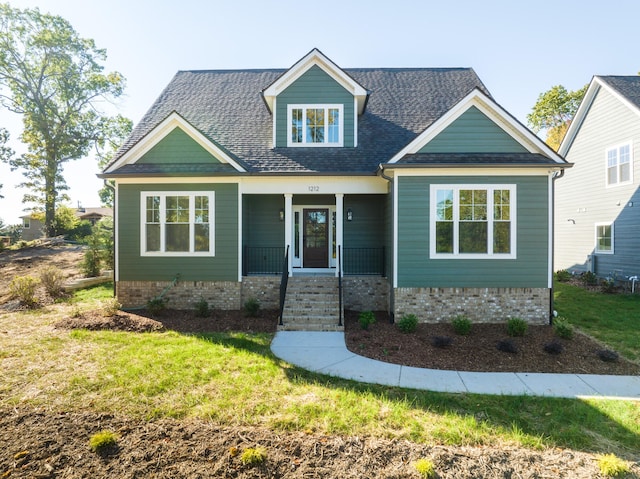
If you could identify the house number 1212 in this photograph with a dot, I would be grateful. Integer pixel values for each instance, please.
(314, 188)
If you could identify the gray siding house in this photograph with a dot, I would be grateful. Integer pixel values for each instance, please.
(408, 190)
(597, 215)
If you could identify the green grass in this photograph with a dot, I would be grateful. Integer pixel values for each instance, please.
(610, 318)
(234, 379)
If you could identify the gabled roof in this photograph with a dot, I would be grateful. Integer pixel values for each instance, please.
(317, 58)
(226, 107)
(625, 88)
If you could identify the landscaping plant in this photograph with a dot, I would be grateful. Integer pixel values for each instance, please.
(52, 279)
(251, 307)
(253, 456)
(611, 465)
(562, 328)
(461, 325)
(24, 289)
(517, 327)
(202, 308)
(425, 468)
(103, 440)
(408, 323)
(366, 319)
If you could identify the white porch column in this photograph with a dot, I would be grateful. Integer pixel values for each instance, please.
(288, 233)
(339, 224)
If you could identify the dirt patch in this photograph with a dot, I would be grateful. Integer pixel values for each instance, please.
(427, 348)
(47, 445)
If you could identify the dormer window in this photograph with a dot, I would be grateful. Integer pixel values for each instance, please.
(315, 125)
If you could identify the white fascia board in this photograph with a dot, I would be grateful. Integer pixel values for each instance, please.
(313, 185)
(495, 113)
(315, 57)
(159, 132)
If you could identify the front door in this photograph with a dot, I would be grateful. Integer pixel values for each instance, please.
(315, 238)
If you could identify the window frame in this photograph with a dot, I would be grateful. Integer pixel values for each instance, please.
(617, 149)
(597, 237)
(308, 106)
(192, 223)
(26, 223)
(490, 189)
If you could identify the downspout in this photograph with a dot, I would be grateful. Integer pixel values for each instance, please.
(556, 176)
(115, 263)
(380, 171)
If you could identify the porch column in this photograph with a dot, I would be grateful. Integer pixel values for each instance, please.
(339, 224)
(288, 221)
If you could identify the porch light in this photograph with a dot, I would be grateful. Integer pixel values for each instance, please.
(349, 214)
(281, 214)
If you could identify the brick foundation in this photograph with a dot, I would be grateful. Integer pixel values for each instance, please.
(486, 305)
(223, 295)
(266, 289)
(365, 293)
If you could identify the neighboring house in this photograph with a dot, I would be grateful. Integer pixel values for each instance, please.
(597, 204)
(33, 228)
(413, 183)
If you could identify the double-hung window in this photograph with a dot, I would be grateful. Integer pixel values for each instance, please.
(619, 165)
(604, 238)
(315, 125)
(177, 223)
(473, 221)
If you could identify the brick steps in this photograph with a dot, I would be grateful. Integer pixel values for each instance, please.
(312, 304)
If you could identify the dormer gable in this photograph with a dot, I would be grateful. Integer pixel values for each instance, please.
(315, 104)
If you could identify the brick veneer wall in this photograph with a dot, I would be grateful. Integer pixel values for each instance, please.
(224, 295)
(365, 293)
(487, 305)
(266, 289)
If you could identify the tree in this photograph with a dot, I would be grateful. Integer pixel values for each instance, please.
(6, 153)
(118, 130)
(54, 79)
(554, 111)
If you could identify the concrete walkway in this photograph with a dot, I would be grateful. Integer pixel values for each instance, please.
(326, 353)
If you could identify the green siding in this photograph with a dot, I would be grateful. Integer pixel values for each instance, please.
(262, 225)
(473, 132)
(221, 267)
(367, 228)
(177, 147)
(314, 87)
(529, 270)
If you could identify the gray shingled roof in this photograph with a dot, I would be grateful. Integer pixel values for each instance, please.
(227, 107)
(627, 86)
(476, 159)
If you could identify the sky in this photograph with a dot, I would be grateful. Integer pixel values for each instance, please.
(518, 49)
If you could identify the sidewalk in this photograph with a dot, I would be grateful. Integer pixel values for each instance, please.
(326, 353)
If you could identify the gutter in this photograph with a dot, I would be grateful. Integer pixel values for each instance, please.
(115, 223)
(380, 172)
(556, 176)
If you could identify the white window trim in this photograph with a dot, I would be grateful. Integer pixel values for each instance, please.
(163, 194)
(606, 165)
(26, 223)
(326, 107)
(595, 248)
(456, 213)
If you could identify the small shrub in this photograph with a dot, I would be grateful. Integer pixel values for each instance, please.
(608, 285)
(24, 289)
(202, 308)
(111, 307)
(253, 456)
(441, 341)
(156, 306)
(608, 355)
(563, 275)
(507, 346)
(425, 468)
(103, 440)
(251, 307)
(52, 280)
(612, 466)
(92, 257)
(366, 319)
(461, 325)
(408, 323)
(562, 328)
(517, 327)
(553, 347)
(589, 278)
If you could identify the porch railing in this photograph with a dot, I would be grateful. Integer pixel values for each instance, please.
(284, 281)
(365, 261)
(262, 260)
(339, 287)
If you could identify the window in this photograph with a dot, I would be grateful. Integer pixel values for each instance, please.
(604, 238)
(473, 221)
(177, 223)
(619, 165)
(26, 223)
(315, 125)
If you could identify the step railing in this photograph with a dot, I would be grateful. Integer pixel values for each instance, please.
(339, 286)
(284, 281)
(262, 260)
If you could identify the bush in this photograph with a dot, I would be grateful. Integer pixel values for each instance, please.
(610, 465)
(52, 280)
(589, 278)
(553, 347)
(425, 468)
(507, 346)
(562, 328)
(408, 323)
(366, 319)
(608, 285)
(92, 257)
(563, 275)
(111, 307)
(253, 456)
(156, 306)
(461, 325)
(24, 289)
(517, 327)
(103, 440)
(608, 355)
(202, 308)
(251, 307)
